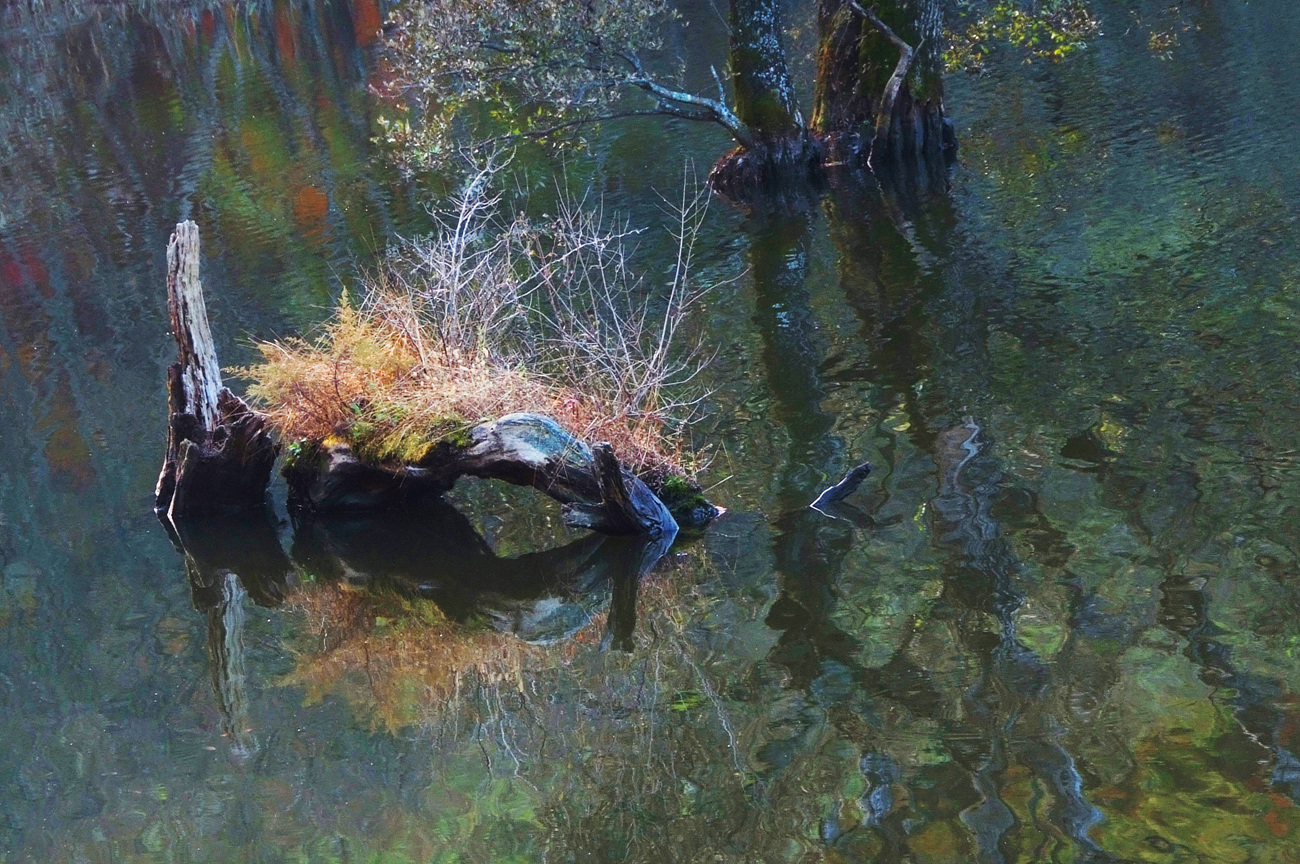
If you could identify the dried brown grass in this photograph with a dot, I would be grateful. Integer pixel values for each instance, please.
(487, 318)
(390, 658)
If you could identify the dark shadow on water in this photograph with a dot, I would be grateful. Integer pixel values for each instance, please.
(435, 554)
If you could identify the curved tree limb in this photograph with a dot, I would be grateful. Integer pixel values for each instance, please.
(523, 449)
(669, 103)
(714, 109)
(885, 111)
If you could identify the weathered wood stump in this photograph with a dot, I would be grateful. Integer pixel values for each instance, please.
(219, 451)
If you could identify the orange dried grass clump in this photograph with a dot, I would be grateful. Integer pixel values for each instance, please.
(367, 380)
(484, 320)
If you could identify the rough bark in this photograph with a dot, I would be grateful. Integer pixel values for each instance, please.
(760, 76)
(879, 88)
(219, 451)
(523, 449)
(782, 150)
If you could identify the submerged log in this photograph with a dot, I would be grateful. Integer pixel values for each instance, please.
(847, 486)
(831, 502)
(219, 451)
(523, 449)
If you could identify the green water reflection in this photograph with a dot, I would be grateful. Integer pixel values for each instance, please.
(1059, 623)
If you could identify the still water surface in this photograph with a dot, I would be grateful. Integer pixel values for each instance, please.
(1061, 622)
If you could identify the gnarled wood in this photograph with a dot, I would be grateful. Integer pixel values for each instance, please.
(523, 449)
(219, 451)
(627, 506)
(872, 107)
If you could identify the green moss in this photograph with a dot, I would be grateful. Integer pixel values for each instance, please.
(382, 433)
(460, 438)
(686, 501)
(301, 455)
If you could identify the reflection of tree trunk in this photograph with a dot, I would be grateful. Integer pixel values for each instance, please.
(227, 560)
(856, 59)
(787, 325)
(886, 287)
(1014, 679)
(1185, 610)
(784, 149)
(628, 562)
(226, 658)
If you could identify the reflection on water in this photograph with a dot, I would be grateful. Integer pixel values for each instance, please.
(426, 572)
(1061, 623)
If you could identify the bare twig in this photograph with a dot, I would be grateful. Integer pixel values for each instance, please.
(490, 316)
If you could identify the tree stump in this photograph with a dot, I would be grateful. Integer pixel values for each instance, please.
(219, 451)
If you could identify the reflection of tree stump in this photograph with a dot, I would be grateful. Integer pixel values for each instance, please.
(433, 553)
(228, 559)
(219, 451)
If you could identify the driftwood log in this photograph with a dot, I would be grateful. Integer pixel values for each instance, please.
(219, 451)
(523, 449)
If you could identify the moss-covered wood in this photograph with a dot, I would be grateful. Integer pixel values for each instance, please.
(781, 151)
(220, 452)
(855, 61)
(764, 93)
(523, 449)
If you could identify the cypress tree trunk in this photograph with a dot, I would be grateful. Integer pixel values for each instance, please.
(856, 60)
(784, 151)
(765, 99)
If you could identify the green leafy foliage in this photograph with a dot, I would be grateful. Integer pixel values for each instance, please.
(486, 69)
(1050, 30)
